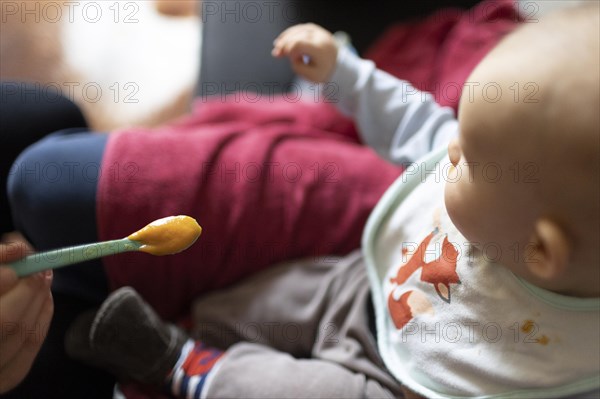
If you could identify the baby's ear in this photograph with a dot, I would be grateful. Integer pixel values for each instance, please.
(551, 250)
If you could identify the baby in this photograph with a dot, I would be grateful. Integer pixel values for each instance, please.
(482, 258)
(539, 204)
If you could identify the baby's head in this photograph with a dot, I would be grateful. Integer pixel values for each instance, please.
(527, 179)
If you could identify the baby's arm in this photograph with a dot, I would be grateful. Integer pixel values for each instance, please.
(400, 122)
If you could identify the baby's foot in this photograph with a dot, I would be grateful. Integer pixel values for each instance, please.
(127, 338)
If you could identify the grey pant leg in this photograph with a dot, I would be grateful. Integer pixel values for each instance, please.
(255, 371)
(297, 330)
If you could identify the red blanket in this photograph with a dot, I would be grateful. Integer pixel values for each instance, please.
(267, 182)
(272, 181)
(438, 54)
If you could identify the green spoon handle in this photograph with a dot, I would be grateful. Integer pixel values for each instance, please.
(67, 256)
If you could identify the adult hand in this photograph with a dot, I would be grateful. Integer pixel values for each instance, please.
(26, 309)
(312, 51)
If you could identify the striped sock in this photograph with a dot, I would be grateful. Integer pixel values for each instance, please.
(188, 377)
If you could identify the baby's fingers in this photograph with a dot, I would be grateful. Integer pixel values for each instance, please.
(301, 52)
(284, 46)
(288, 33)
(304, 34)
(311, 49)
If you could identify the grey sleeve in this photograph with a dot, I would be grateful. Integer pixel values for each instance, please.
(398, 121)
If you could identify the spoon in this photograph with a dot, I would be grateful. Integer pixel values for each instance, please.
(164, 236)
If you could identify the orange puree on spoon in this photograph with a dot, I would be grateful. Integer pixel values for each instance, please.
(168, 235)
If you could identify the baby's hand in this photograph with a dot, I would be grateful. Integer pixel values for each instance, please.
(311, 49)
